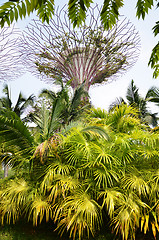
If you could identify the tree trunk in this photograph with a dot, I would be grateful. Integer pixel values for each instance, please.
(5, 170)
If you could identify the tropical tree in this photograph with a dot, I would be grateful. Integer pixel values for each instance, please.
(21, 104)
(153, 95)
(15, 137)
(55, 110)
(136, 100)
(19, 108)
(102, 170)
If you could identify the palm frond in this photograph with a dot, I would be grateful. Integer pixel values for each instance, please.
(127, 216)
(153, 95)
(79, 214)
(13, 200)
(110, 198)
(39, 209)
(136, 184)
(97, 131)
(14, 131)
(104, 176)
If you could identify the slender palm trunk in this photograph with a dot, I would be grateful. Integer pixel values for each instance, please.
(5, 169)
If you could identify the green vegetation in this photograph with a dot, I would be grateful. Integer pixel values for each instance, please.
(133, 98)
(73, 171)
(101, 171)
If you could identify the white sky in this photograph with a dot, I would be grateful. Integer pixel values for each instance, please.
(102, 96)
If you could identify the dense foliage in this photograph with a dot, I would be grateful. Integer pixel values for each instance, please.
(79, 168)
(102, 169)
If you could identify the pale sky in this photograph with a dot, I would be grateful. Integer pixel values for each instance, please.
(102, 96)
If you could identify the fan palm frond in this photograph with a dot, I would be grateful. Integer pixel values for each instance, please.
(13, 200)
(110, 198)
(79, 214)
(136, 184)
(127, 216)
(104, 177)
(38, 209)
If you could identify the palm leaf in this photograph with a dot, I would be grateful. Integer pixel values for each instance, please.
(127, 216)
(39, 209)
(110, 198)
(79, 213)
(136, 184)
(14, 131)
(13, 200)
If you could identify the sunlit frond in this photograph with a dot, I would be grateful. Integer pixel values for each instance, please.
(79, 214)
(104, 176)
(110, 198)
(136, 184)
(13, 199)
(39, 209)
(127, 217)
(55, 172)
(124, 117)
(102, 153)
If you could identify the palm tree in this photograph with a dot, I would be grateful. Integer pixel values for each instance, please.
(153, 95)
(19, 108)
(21, 104)
(58, 109)
(134, 99)
(103, 169)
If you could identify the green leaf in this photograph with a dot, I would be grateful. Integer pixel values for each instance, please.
(156, 28)
(51, 1)
(7, 20)
(143, 7)
(34, 4)
(23, 9)
(2, 23)
(110, 12)
(50, 7)
(20, 11)
(154, 56)
(7, 5)
(154, 59)
(11, 16)
(16, 13)
(28, 7)
(77, 11)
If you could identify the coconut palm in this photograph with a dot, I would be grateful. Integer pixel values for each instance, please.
(153, 95)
